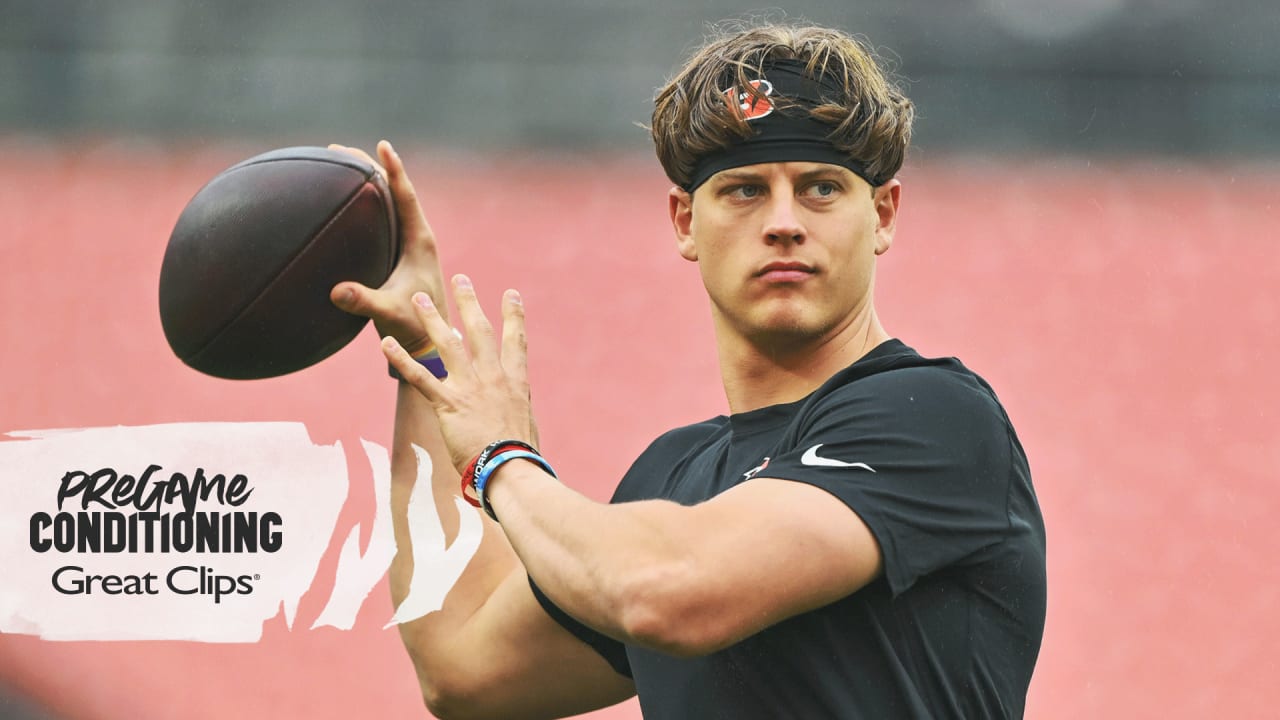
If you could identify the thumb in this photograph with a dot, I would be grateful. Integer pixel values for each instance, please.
(352, 297)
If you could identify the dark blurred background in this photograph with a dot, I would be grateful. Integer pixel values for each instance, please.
(1100, 77)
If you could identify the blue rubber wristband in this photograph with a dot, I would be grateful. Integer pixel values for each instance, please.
(483, 473)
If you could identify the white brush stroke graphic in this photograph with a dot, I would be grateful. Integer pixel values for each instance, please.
(358, 574)
(435, 569)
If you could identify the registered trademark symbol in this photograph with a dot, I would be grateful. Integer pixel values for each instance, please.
(256, 576)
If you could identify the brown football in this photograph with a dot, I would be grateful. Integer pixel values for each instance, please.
(244, 286)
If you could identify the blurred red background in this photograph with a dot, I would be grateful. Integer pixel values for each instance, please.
(1125, 313)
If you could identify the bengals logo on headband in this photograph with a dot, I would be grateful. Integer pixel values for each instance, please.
(751, 107)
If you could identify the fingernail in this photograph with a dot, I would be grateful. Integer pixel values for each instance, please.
(422, 300)
(462, 281)
(390, 343)
(514, 297)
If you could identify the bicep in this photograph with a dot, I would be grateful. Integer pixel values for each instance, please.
(514, 661)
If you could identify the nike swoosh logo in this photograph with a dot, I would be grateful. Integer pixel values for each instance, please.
(812, 459)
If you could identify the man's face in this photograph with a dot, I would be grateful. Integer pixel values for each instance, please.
(786, 250)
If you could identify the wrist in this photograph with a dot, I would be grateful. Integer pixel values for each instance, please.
(512, 471)
(428, 357)
(477, 475)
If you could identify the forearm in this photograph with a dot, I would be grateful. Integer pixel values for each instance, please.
(428, 639)
(684, 580)
(490, 651)
(607, 565)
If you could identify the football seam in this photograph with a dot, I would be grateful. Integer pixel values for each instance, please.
(354, 164)
(393, 220)
(283, 270)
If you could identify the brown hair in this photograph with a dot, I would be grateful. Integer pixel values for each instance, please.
(870, 119)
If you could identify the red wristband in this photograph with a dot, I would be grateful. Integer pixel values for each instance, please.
(469, 480)
(469, 474)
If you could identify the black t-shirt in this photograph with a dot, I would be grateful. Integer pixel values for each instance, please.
(923, 452)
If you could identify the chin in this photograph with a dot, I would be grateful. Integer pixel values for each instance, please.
(785, 330)
(778, 325)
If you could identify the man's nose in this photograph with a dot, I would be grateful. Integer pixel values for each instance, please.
(783, 222)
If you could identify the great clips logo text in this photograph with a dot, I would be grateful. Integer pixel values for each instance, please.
(207, 531)
(153, 512)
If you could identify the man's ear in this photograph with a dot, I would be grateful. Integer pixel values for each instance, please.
(886, 198)
(680, 205)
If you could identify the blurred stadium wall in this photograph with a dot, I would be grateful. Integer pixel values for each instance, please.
(1195, 77)
(1089, 221)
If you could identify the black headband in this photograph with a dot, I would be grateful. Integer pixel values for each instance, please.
(782, 134)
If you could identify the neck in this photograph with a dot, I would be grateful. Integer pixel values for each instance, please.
(759, 373)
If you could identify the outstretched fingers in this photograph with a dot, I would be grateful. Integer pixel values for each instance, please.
(447, 343)
(481, 340)
(413, 373)
(515, 347)
(446, 340)
(515, 355)
(415, 230)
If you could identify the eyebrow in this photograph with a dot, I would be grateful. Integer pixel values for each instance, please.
(822, 172)
(740, 176)
(806, 176)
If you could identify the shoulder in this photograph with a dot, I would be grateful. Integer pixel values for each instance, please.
(926, 410)
(927, 392)
(687, 436)
(677, 443)
(664, 458)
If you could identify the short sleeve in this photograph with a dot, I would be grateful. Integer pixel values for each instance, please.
(614, 652)
(922, 455)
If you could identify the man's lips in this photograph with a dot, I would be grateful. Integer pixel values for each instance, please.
(785, 272)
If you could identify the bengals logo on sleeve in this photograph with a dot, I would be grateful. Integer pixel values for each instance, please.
(751, 107)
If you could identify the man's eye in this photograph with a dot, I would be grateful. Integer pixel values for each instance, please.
(823, 189)
(746, 191)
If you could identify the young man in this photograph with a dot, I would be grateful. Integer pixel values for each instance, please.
(858, 539)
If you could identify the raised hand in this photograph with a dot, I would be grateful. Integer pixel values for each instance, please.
(419, 267)
(486, 395)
